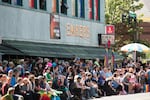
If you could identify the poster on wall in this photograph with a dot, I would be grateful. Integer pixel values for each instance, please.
(55, 27)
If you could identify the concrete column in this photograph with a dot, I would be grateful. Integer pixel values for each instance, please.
(25, 3)
(59, 4)
(13, 2)
(86, 9)
(79, 7)
(69, 11)
(49, 5)
(38, 4)
(102, 11)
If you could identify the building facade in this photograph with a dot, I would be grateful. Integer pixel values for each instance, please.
(145, 36)
(26, 25)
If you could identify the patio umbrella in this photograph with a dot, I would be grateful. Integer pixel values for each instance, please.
(135, 47)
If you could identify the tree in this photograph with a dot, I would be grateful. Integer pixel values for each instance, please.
(118, 13)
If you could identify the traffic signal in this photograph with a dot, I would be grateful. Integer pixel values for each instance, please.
(129, 19)
(132, 17)
(124, 18)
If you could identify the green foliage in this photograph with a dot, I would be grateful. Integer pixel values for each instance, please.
(115, 8)
(124, 31)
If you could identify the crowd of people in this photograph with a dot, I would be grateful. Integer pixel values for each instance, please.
(76, 79)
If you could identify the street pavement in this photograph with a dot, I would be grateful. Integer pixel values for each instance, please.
(139, 96)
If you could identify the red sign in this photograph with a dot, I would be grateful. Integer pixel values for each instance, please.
(110, 29)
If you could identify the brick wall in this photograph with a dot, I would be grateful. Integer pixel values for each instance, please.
(146, 33)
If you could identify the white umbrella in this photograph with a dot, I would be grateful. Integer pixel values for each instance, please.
(135, 47)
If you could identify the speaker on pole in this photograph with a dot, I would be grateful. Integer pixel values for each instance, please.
(99, 39)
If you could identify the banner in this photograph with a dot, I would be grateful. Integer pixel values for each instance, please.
(73, 7)
(54, 26)
(112, 59)
(55, 6)
(31, 3)
(90, 9)
(106, 58)
(96, 9)
(82, 15)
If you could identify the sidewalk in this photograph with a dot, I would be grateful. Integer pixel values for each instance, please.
(139, 96)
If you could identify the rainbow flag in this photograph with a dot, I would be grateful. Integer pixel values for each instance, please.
(106, 58)
(32, 3)
(90, 9)
(112, 59)
(75, 8)
(97, 10)
(147, 88)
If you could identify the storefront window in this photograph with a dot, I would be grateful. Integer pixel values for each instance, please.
(7, 1)
(42, 4)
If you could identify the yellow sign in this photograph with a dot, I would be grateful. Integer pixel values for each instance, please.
(78, 30)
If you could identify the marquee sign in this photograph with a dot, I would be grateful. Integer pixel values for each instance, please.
(77, 30)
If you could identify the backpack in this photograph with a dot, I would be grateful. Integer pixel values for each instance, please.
(101, 81)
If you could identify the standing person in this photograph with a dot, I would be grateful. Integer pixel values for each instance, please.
(148, 78)
(40, 69)
(10, 66)
(21, 68)
(10, 75)
(47, 73)
(5, 64)
(97, 62)
(32, 83)
(142, 78)
(55, 63)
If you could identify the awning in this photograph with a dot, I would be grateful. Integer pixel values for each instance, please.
(9, 50)
(53, 50)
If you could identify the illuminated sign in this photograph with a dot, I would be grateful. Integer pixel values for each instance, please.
(110, 29)
(77, 30)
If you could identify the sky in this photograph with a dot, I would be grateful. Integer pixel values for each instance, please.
(146, 9)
